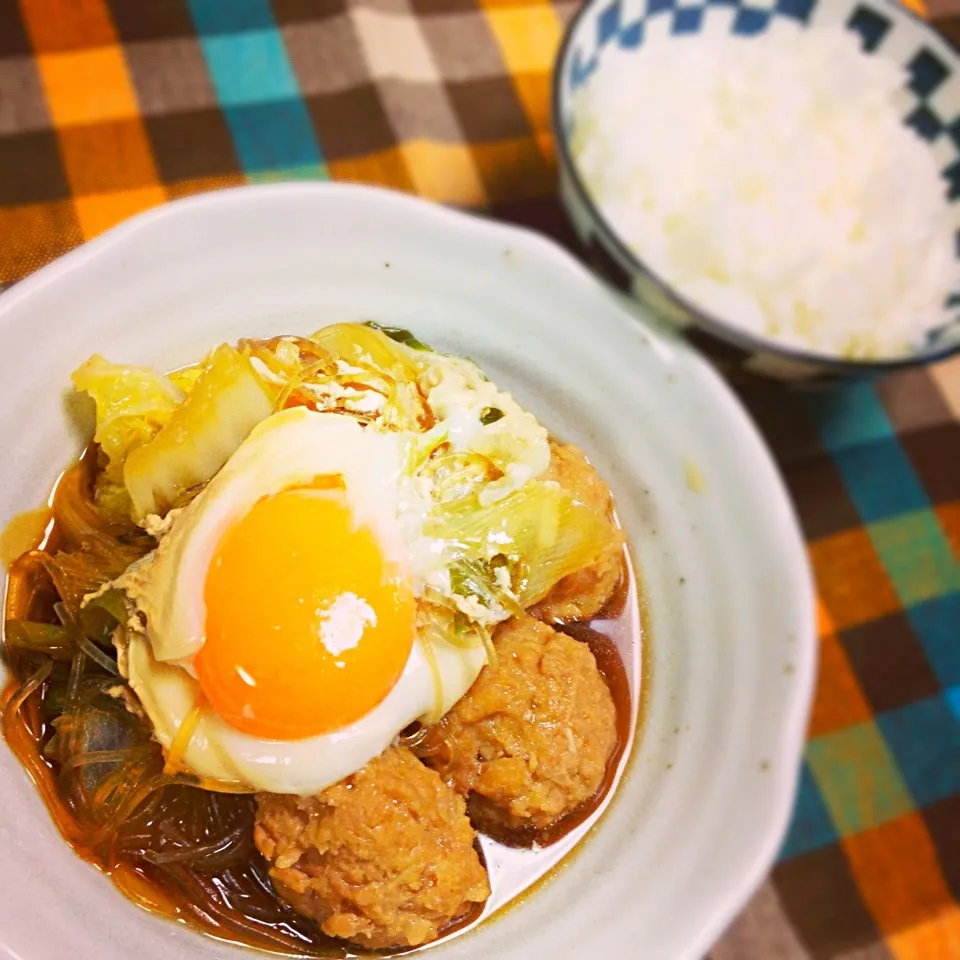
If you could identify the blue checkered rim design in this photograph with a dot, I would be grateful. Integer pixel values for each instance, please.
(932, 67)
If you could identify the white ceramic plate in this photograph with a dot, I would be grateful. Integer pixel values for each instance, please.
(731, 643)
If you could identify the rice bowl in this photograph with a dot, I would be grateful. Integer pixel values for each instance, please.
(767, 263)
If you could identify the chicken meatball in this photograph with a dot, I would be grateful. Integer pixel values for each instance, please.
(531, 739)
(583, 594)
(385, 858)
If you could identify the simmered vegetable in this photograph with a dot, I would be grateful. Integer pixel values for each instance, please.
(372, 362)
(227, 401)
(367, 348)
(133, 403)
(513, 551)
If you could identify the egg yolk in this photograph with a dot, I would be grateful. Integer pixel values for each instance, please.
(307, 626)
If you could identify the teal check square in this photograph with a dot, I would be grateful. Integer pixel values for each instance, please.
(309, 171)
(273, 137)
(811, 826)
(924, 737)
(230, 16)
(250, 68)
(937, 623)
(858, 778)
(917, 555)
(849, 416)
(880, 479)
(952, 697)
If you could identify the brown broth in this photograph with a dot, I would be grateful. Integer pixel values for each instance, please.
(234, 902)
(615, 607)
(23, 533)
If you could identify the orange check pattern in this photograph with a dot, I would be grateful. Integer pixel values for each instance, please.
(109, 107)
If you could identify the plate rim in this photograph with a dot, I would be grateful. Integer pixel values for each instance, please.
(795, 716)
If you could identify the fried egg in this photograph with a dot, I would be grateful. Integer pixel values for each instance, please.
(277, 644)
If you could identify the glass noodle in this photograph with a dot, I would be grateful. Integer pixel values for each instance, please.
(179, 850)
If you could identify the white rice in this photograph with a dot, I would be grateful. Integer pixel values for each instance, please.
(774, 184)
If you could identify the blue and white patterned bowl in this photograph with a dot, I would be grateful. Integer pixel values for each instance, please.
(885, 28)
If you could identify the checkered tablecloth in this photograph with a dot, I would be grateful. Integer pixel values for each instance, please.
(108, 108)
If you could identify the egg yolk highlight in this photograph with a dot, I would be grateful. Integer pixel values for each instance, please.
(308, 628)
